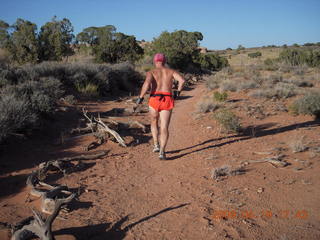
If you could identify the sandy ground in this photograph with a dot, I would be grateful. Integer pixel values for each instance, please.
(130, 194)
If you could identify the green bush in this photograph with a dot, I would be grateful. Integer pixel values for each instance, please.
(211, 62)
(296, 57)
(271, 64)
(228, 120)
(180, 47)
(220, 97)
(307, 105)
(182, 52)
(30, 92)
(16, 113)
(254, 54)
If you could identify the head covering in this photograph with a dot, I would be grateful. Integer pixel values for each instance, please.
(159, 57)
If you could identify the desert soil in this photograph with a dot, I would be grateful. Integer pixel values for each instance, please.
(131, 194)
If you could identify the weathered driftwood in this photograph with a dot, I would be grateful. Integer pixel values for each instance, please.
(46, 192)
(101, 129)
(275, 161)
(36, 225)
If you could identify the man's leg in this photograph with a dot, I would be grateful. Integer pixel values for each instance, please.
(165, 117)
(154, 115)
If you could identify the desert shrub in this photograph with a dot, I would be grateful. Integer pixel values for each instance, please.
(41, 95)
(182, 52)
(299, 82)
(244, 85)
(228, 120)
(213, 81)
(220, 97)
(227, 70)
(38, 87)
(254, 54)
(88, 90)
(228, 85)
(280, 90)
(211, 62)
(300, 69)
(226, 171)
(70, 99)
(298, 144)
(307, 105)
(108, 78)
(206, 105)
(23, 105)
(15, 114)
(296, 57)
(274, 78)
(271, 64)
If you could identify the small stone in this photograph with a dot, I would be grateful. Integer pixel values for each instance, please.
(260, 190)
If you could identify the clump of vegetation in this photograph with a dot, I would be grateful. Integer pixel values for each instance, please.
(254, 54)
(220, 97)
(271, 64)
(16, 113)
(206, 105)
(211, 62)
(54, 42)
(296, 57)
(182, 52)
(226, 171)
(228, 85)
(228, 120)
(213, 81)
(280, 90)
(298, 144)
(23, 105)
(307, 105)
(88, 90)
(28, 94)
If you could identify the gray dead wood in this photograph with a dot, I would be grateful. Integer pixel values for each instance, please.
(275, 161)
(36, 225)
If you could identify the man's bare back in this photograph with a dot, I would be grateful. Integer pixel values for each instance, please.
(161, 79)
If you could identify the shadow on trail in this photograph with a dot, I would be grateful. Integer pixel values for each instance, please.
(249, 133)
(184, 97)
(116, 232)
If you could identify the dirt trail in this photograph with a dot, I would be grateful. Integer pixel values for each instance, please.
(132, 195)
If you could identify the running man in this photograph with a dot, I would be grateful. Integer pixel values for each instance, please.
(161, 102)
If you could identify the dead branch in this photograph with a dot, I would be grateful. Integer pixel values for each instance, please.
(104, 127)
(36, 225)
(275, 161)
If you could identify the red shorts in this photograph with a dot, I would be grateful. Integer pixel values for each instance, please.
(163, 102)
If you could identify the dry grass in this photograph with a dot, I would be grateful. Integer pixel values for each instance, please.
(298, 144)
(226, 171)
(207, 105)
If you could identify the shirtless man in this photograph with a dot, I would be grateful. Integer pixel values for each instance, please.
(161, 101)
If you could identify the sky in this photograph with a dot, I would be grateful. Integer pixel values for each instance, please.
(224, 23)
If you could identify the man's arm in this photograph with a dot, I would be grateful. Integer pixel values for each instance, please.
(146, 84)
(181, 82)
(145, 87)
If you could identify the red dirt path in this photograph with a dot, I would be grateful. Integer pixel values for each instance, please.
(130, 194)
